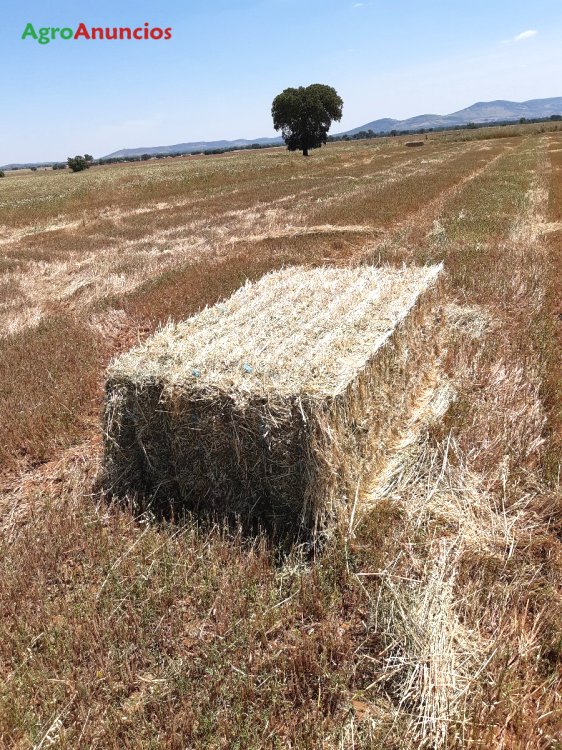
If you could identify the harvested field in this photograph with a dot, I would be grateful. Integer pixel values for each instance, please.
(432, 618)
(276, 403)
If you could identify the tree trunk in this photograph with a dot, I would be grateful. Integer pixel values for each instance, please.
(305, 152)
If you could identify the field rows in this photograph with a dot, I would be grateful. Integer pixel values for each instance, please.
(436, 622)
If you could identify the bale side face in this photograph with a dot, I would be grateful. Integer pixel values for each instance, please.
(352, 433)
(206, 450)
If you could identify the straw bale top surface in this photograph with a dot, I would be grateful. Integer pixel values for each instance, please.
(295, 331)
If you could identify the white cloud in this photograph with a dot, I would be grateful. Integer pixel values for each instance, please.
(525, 35)
(529, 34)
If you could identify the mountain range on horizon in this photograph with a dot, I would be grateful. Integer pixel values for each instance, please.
(499, 110)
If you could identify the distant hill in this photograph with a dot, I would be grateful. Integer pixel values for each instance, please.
(188, 148)
(28, 165)
(481, 112)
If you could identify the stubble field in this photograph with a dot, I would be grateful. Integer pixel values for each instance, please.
(435, 619)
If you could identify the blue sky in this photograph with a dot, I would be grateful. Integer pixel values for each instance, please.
(226, 61)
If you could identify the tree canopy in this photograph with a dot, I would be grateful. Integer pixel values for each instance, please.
(305, 115)
(79, 163)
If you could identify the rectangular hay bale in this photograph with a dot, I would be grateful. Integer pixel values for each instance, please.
(275, 403)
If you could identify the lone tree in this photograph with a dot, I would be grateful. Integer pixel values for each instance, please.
(304, 115)
(78, 163)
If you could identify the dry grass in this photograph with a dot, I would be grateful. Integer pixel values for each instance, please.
(205, 211)
(48, 376)
(434, 620)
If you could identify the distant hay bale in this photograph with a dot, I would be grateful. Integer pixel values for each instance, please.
(273, 404)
